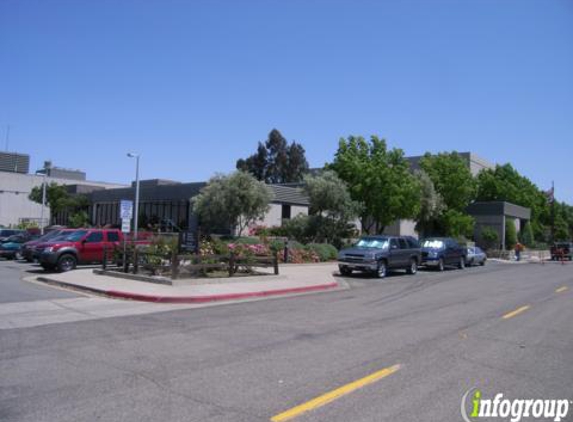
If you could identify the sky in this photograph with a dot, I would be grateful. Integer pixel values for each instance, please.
(193, 85)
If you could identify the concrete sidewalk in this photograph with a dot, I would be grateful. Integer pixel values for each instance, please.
(294, 279)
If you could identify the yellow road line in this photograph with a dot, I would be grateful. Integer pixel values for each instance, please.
(516, 312)
(562, 289)
(333, 395)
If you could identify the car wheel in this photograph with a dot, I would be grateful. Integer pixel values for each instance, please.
(66, 262)
(345, 271)
(18, 255)
(381, 271)
(462, 263)
(482, 263)
(441, 265)
(413, 268)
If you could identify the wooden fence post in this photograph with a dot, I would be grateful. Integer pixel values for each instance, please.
(135, 260)
(276, 262)
(174, 265)
(104, 261)
(231, 264)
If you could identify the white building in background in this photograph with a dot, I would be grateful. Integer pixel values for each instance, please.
(16, 184)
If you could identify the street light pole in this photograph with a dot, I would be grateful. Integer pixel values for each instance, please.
(136, 218)
(47, 165)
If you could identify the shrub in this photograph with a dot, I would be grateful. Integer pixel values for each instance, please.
(527, 237)
(490, 238)
(325, 251)
(510, 234)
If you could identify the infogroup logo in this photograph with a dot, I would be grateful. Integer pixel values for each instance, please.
(517, 410)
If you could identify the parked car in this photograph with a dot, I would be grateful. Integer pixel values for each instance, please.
(6, 233)
(82, 246)
(29, 252)
(439, 252)
(380, 254)
(11, 248)
(476, 256)
(562, 250)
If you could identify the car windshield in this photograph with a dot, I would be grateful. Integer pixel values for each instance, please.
(75, 236)
(52, 235)
(433, 243)
(372, 243)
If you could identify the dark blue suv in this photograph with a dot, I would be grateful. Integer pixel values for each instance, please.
(439, 252)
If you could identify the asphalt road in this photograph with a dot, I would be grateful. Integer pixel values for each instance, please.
(441, 333)
(13, 290)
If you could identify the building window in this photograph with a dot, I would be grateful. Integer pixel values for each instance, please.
(285, 214)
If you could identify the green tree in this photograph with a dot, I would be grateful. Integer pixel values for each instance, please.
(79, 219)
(236, 200)
(331, 207)
(490, 238)
(452, 179)
(57, 196)
(275, 161)
(457, 224)
(431, 206)
(58, 199)
(527, 237)
(504, 183)
(510, 234)
(379, 179)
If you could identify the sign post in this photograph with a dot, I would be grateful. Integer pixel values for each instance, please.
(125, 213)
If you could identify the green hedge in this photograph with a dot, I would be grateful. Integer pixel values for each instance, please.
(325, 251)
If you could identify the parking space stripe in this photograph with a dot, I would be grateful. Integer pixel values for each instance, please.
(562, 289)
(516, 312)
(334, 395)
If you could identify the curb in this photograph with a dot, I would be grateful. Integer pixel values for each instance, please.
(190, 299)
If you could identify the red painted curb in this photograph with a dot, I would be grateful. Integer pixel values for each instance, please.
(213, 298)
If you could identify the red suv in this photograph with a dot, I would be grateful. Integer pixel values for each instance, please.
(82, 246)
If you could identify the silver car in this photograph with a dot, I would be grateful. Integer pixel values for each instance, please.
(476, 257)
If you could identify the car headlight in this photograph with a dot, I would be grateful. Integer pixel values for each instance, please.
(49, 249)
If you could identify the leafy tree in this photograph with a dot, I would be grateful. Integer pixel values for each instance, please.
(527, 237)
(457, 224)
(275, 161)
(58, 199)
(431, 206)
(331, 207)
(490, 238)
(504, 183)
(56, 196)
(236, 200)
(79, 219)
(510, 234)
(452, 179)
(379, 179)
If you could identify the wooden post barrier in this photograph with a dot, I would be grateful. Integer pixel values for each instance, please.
(276, 262)
(174, 265)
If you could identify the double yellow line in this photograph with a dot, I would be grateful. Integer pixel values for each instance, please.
(334, 394)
